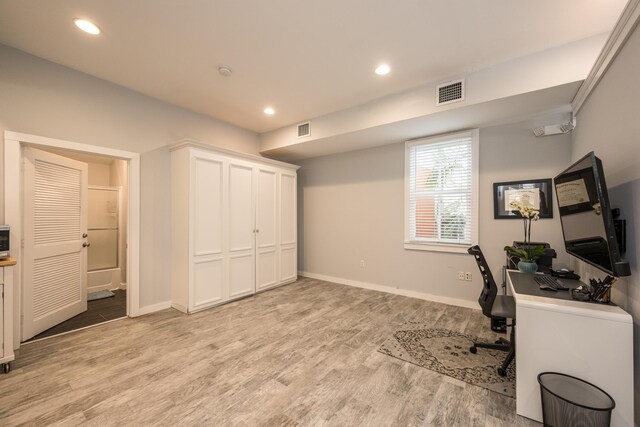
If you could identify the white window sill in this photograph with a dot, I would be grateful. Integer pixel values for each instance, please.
(437, 247)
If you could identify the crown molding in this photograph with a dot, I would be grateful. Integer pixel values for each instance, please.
(619, 35)
(207, 147)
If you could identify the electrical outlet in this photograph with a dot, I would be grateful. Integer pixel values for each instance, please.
(461, 275)
(363, 264)
(467, 276)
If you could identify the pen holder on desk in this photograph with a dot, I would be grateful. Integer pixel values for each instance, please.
(603, 297)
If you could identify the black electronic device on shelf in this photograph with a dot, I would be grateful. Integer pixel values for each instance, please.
(585, 214)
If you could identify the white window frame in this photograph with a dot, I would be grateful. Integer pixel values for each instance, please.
(436, 246)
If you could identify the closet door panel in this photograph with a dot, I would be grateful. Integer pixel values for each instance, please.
(207, 282)
(288, 264)
(287, 209)
(288, 228)
(241, 230)
(267, 275)
(266, 224)
(207, 206)
(241, 276)
(266, 208)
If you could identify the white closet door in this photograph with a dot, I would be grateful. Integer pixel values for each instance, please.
(288, 231)
(55, 260)
(266, 274)
(207, 232)
(241, 230)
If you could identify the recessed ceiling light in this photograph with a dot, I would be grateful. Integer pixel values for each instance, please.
(269, 111)
(87, 26)
(382, 69)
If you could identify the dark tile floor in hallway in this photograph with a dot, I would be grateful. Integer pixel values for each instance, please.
(98, 311)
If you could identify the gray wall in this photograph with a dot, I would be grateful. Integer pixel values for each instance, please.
(609, 124)
(351, 208)
(42, 98)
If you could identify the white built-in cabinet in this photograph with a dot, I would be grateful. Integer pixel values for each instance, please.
(233, 225)
(6, 314)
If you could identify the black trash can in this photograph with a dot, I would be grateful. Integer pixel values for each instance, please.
(570, 401)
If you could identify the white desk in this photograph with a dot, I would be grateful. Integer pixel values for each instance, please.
(593, 342)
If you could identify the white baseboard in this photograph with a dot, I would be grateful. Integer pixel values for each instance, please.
(153, 308)
(123, 286)
(390, 290)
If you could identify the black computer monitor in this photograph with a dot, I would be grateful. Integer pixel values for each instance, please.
(585, 214)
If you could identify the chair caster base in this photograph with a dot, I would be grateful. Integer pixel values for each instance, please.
(473, 349)
(502, 372)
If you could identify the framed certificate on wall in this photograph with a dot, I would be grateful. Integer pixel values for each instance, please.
(535, 193)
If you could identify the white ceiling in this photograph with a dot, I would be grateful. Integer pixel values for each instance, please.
(305, 58)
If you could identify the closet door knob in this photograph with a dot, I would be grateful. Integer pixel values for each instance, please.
(84, 235)
(86, 245)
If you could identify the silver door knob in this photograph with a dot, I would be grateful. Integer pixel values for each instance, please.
(86, 245)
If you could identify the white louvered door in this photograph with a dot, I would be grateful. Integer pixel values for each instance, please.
(55, 223)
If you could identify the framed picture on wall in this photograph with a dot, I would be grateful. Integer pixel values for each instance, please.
(536, 193)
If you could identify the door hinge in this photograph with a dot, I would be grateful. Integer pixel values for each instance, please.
(22, 243)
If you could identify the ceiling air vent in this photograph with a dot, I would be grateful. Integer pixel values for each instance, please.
(304, 129)
(450, 92)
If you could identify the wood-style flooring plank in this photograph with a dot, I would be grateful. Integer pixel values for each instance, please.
(299, 355)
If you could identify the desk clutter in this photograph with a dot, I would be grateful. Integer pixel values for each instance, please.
(598, 291)
(549, 283)
(601, 289)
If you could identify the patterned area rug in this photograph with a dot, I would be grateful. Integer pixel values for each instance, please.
(447, 352)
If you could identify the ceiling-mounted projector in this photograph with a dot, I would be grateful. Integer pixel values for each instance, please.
(555, 129)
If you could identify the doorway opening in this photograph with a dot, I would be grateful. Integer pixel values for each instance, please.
(114, 263)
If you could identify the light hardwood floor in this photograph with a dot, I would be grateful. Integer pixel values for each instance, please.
(303, 354)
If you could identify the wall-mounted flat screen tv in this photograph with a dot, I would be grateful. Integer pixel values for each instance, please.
(585, 214)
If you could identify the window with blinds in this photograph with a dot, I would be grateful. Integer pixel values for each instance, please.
(441, 194)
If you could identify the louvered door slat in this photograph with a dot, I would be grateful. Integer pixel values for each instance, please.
(57, 191)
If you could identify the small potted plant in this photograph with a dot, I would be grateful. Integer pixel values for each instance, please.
(528, 254)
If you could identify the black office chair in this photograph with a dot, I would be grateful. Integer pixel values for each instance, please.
(494, 305)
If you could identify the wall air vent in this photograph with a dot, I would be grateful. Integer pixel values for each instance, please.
(304, 129)
(450, 92)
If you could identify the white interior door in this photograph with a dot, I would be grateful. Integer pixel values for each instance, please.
(55, 226)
